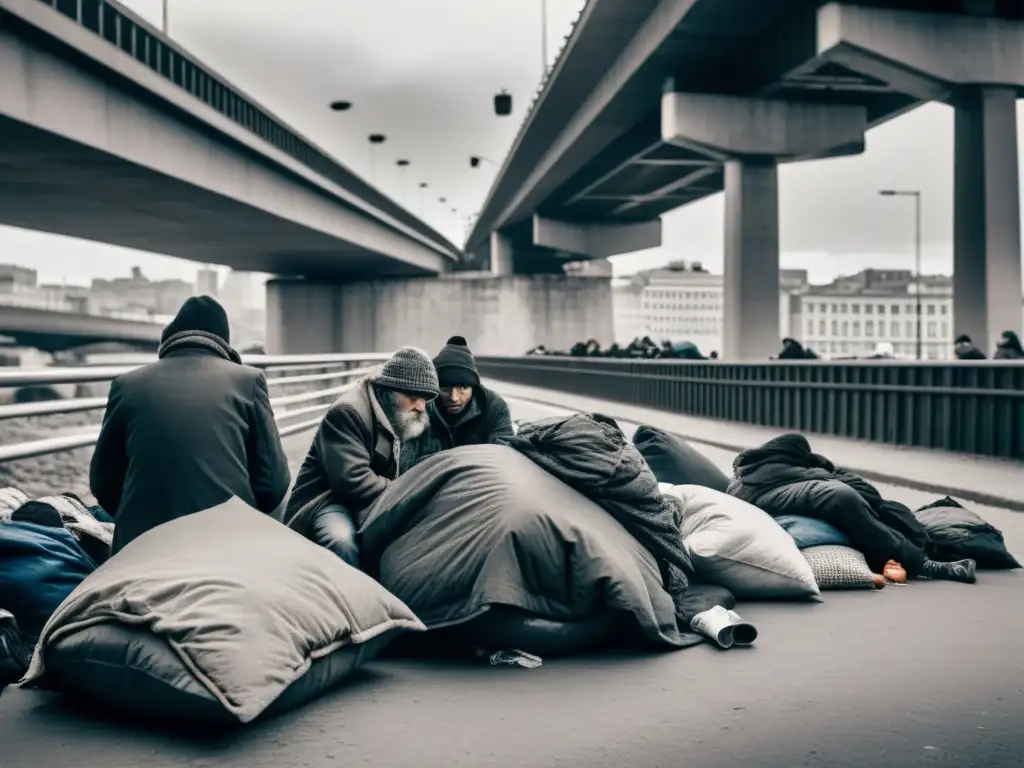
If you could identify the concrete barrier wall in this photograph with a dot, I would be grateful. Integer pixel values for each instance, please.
(497, 315)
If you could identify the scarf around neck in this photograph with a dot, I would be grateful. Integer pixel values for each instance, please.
(198, 340)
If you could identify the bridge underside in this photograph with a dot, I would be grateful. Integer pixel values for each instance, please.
(95, 143)
(52, 184)
(52, 331)
(611, 162)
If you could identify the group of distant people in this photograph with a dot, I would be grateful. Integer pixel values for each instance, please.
(1007, 348)
(641, 348)
(196, 428)
(645, 348)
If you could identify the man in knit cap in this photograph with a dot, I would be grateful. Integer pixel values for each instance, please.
(465, 413)
(187, 432)
(366, 440)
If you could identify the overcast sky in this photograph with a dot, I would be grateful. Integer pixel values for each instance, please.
(424, 73)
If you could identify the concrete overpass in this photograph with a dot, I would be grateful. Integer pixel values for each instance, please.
(655, 104)
(110, 131)
(52, 331)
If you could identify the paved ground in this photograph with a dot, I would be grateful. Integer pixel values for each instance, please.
(931, 674)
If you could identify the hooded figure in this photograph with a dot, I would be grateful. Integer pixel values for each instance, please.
(1009, 347)
(187, 432)
(465, 412)
(965, 348)
(365, 441)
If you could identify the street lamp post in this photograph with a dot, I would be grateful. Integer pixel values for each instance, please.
(543, 39)
(403, 170)
(165, 18)
(916, 195)
(375, 140)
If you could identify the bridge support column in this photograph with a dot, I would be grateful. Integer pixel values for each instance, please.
(750, 137)
(501, 255)
(973, 60)
(986, 216)
(751, 268)
(497, 315)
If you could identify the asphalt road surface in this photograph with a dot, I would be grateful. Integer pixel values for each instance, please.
(931, 674)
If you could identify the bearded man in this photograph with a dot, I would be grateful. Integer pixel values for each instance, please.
(365, 441)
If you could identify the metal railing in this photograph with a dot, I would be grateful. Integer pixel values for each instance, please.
(965, 407)
(328, 375)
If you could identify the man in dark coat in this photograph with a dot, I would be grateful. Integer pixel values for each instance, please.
(365, 441)
(466, 412)
(784, 477)
(187, 432)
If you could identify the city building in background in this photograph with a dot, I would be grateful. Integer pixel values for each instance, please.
(683, 302)
(848, 317)
(243, 296)
(851, 315)
(137, 295)
(207, 282)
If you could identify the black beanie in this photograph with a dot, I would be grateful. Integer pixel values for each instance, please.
(455, 365)
(200, 313)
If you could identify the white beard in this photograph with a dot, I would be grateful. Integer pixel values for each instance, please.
(413, 424)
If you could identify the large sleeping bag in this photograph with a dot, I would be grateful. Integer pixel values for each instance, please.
(483, 526)
(39, 567)
(676, 462)
(218, 617)
(957, 533)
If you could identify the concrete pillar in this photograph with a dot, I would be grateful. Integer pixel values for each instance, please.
(986, 216)
(751, 136)
(751, 279)
(497, 315)
(502, 263)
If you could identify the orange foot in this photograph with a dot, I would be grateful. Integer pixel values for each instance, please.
(894, 572)
(878, 581)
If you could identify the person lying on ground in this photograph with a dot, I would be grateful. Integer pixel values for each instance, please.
(365, 441)
(187, 432)
(465, 412)
(784, 477)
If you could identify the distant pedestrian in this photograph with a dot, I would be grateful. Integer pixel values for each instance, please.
(187, 432)
(965, 348)
(1009, 347)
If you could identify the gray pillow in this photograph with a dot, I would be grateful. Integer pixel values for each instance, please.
(222, 613)
(837, 567)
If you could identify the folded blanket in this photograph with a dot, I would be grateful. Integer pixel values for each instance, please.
(94, 536)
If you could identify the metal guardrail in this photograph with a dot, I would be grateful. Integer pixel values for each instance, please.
(965, 406)
(345, 369)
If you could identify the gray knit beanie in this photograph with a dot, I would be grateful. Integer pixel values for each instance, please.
(410, 371)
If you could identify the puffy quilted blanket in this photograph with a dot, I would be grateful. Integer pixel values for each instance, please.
(483, 525)
(593, 455)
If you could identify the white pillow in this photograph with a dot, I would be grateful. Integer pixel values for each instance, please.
(738, 546)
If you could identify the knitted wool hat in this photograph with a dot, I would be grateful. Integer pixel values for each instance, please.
(200, 313)
(410, 371)
(455, 365)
